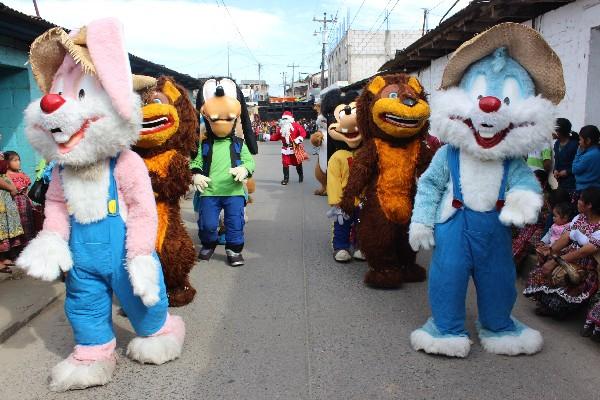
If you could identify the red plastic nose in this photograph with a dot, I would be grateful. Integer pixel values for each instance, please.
(51, 103)
(489, 104)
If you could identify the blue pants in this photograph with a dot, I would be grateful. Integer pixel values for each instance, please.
(473, 244)
(99, 256)
(341, 233)
(210, 208)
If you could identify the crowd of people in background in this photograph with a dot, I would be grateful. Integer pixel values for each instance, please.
(565, 241)
(269, 127)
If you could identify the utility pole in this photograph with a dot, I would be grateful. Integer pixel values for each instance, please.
(284, 75)
(425, 15)
(37, 12)
(228, 60)
(293, 67)
(324, 21)
(259, 68)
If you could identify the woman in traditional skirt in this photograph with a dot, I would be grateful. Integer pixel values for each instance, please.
(557, 292)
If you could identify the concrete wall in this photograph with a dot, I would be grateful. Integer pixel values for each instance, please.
(568, 30)
(361, 53)
(17, 90)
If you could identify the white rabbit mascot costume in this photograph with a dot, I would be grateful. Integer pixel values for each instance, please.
(101, 218)
(497, 105)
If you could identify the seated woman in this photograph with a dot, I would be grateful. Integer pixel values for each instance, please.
(566, 275)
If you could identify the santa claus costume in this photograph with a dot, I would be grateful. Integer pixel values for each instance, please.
(290, 133)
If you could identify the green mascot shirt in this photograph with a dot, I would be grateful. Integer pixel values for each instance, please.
(222, 182)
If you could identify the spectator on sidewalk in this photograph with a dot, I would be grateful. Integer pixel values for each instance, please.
(565, 149)
(586, 165)
(11, 231)
(23, 202)
(557, 292)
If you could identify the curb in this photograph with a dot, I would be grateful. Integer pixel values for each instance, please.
(30, 302)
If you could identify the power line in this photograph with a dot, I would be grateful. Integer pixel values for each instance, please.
(238, 31)
(374, 23)
(356, 15)
(380, 25)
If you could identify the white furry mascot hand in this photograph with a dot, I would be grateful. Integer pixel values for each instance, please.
(46, 256)
(201, 182)
(521, 207)
(420, 237)
(143, 274)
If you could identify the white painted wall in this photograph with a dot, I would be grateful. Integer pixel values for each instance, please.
(568, 30)
(360, 54)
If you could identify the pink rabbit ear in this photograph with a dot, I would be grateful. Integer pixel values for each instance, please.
(107, 48)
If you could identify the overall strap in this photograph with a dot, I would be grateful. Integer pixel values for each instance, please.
(207, 147)
(235, 151)
(502, 194)
(454, 165)
(113, 192)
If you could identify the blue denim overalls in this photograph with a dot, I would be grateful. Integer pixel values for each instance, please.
(476, 244)
(99, 268)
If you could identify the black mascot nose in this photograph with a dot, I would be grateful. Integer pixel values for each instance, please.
(219, 92)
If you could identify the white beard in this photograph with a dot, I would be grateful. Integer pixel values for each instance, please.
(286, 129)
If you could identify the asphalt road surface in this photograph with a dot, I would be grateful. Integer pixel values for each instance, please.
(293, 324)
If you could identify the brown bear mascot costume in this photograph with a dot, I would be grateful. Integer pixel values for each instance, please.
(168, 136)
(392, 115)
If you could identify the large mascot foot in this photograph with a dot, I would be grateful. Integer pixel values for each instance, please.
(414, 273)
(181, 296)
(86, 366)
(523, 340)
(165, 345)
(384, 278)
(429, 339)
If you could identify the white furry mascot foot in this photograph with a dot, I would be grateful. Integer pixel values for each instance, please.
(496, 106)
(101, 219)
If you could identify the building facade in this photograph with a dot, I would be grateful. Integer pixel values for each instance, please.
(359, 54)
(255, 90)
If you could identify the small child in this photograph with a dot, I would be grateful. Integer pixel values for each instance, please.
(562, 217)
(24, 204)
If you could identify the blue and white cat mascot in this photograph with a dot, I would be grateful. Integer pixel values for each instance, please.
(497, 104)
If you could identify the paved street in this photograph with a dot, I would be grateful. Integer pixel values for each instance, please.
(292, 324)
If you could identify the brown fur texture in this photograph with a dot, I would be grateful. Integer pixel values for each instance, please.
(171, 177)
(384, 174)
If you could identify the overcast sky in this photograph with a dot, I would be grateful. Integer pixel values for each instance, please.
(191, 36)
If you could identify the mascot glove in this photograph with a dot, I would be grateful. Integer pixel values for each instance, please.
(239, 173)
(201, 182)
(299, 140)
(46, 256)
(521, 207)
(336, 213)
(143, 274)
(420, 236)
(266, 137)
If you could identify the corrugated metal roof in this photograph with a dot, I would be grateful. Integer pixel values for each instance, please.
(26, 28)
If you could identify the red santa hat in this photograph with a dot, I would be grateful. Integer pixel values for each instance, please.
(288, 115)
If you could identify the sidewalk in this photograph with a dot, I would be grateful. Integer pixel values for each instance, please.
(23, 299)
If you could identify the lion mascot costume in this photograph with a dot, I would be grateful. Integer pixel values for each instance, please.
(168, 136)
(392, 114)
(497, 103)
(101, 220)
